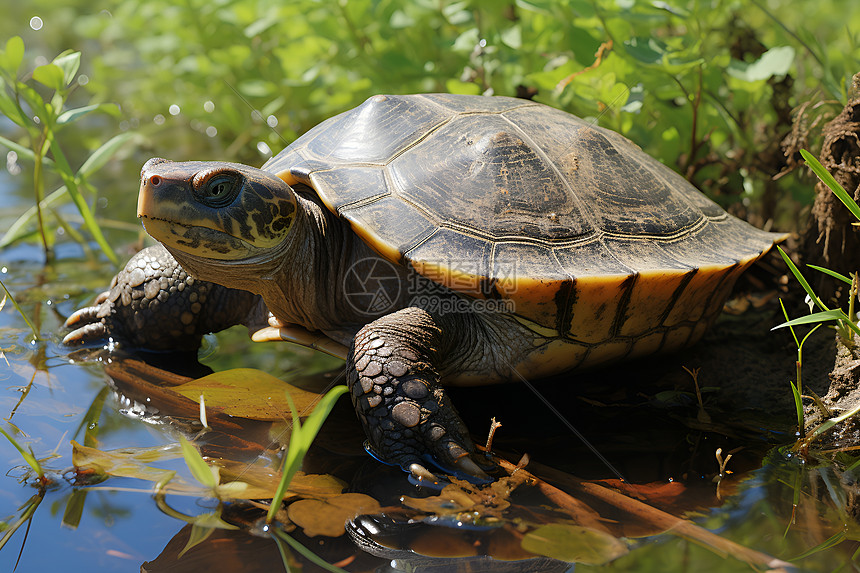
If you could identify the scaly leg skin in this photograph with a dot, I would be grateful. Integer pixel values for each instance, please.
(395, 389)
(154, 304)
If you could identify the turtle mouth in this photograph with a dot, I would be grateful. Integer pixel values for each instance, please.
(198, 240)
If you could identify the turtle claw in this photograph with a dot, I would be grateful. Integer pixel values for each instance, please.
(87, 333)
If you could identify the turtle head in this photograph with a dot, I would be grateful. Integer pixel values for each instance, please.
(214, 210)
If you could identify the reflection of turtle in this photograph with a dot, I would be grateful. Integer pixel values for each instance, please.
(579, 247)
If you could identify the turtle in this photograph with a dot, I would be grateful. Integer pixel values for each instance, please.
(431, 240)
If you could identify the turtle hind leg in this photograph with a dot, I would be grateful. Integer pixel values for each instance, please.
(394, 383)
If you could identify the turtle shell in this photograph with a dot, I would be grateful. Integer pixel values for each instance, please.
(589, 237)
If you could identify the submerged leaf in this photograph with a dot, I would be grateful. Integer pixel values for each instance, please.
(248, 393)
(127, 462)
(327, 517)
(574, 544)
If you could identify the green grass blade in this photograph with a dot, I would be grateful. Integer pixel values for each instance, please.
(831, 182)
(785, 314)
(292, 461)
(199, 468)
(24, 152)
(797, 275)
(836, 314)
(300, 441)
(309, 555)
(103, 154)
(832, 422)
(798, 404)
(833, 274)
(21, 312)
(18, 230)
(27, 455)
(65, 172)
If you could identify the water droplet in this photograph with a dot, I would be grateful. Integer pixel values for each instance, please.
(483, 43)
(36, 23)
(209, 106)
(102, 202)
(36, 119)
(264, 148)
(12, 165)
(4, 270)
(83, 80)
(211, 131)
(272, 121)
(256, 115)
(174, 109)
(158, 119)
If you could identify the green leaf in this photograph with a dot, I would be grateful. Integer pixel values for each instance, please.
(457, 87)
(798, 405)
(836, 314)
(65, 172)
(18, 229)
(775, 62)
(573, 544)
(198, 534)
(300, 442)
(645, 50)
(103, 154)
(797, 275)
(10, 108)
(831, 182)
(281, 536)
(74, 508)
(50, 75)
(199, 468)
(71, 115)
(11, 58)
(512, 37)
(833, 274)
(26, 454)
(69, 61)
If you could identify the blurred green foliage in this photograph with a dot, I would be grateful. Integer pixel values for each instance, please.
(711, 88)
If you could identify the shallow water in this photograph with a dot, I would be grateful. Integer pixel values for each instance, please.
(643, 419)
(648, 436)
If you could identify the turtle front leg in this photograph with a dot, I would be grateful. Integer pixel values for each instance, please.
(153, 304)
(394, 381)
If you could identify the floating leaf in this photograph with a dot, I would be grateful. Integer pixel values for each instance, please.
(248, 393)
(126, 462)
(573, 544)
(328, 517)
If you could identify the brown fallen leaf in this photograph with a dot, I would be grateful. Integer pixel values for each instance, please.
(318, 517)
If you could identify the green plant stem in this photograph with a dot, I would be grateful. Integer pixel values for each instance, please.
(39, 185)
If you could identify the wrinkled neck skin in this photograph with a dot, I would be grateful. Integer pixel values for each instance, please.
(302, 280)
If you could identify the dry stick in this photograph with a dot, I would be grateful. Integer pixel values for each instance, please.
(660, 519)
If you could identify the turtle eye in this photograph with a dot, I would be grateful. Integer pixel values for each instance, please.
(220, 190)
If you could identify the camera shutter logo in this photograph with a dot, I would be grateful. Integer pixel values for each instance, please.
(372, 286)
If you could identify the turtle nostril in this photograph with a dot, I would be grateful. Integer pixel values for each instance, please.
(155, 180)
